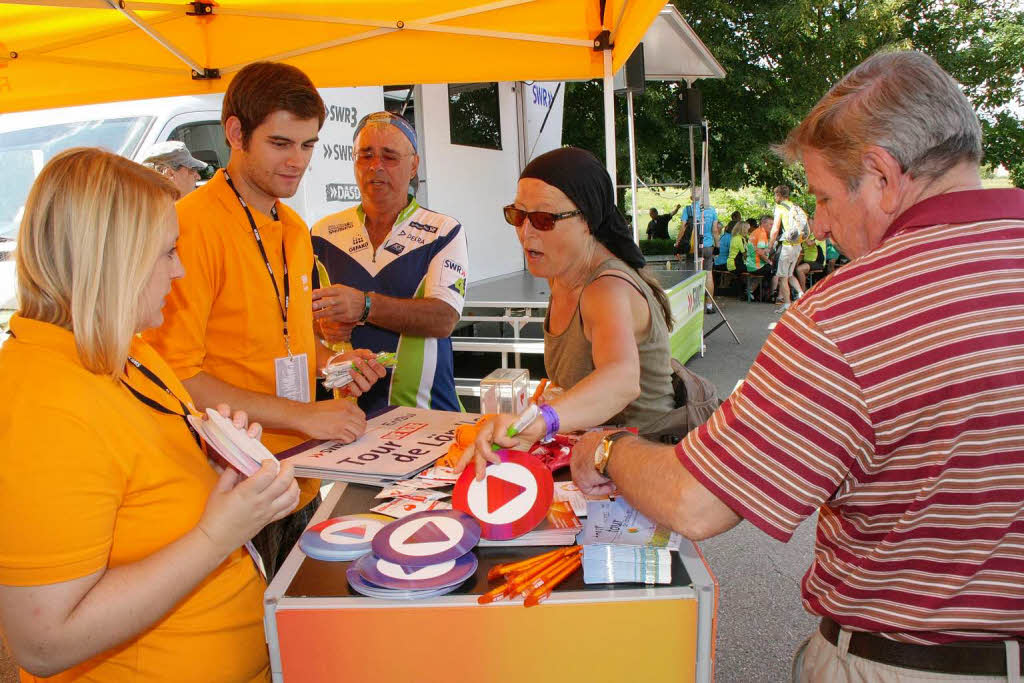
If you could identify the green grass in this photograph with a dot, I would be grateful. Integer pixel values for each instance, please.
(751, 202)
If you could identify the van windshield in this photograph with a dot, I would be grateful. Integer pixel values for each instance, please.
(24, 152)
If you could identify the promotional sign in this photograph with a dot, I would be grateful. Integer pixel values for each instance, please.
(511, 499)
(329, 185)
(542, 103)
(397, 444)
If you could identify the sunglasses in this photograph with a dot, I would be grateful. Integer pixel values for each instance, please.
(541, 220)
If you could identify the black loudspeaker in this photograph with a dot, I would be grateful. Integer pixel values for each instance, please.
(691, 107)
(633, 72)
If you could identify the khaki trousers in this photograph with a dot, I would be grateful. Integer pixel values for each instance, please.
(819, 661)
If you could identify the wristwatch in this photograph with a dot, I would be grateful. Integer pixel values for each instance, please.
(604, 450)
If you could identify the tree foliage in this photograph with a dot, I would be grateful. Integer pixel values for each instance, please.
(781, 56)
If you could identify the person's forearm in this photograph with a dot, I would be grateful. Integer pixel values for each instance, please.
(417, 317)
(651, 478)
(126, 601)
(270, 411)
(598, 397)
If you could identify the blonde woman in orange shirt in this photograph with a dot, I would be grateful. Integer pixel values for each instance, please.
(121, 549)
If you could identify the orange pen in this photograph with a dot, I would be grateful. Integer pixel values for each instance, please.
(512, 567)
(516, 584)
(540, 390)
(505, 590)
(493, 595)
(538, 594)
(546, 575)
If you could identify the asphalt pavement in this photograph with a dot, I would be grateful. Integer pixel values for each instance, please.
(761, 621)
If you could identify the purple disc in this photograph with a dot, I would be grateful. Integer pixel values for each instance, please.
(398, 577)
(360, 585)
(427, 538)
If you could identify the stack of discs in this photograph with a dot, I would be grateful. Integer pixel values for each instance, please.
(420, 556)
(342, 538)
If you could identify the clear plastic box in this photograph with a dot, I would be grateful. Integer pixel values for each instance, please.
(505, 390)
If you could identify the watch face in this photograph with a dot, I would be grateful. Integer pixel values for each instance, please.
(601, 454)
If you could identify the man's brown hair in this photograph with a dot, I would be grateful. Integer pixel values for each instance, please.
(262, 88)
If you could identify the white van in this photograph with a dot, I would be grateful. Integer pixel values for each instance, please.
(474, 139)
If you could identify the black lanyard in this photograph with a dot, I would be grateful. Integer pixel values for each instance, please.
(266, 261)
(151, 376)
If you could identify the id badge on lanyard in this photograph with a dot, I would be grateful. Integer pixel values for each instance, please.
(291, 372)
(292, 375)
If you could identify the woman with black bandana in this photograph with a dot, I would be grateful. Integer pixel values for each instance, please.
(606, 335)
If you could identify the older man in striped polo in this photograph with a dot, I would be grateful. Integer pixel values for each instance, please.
(889, 399)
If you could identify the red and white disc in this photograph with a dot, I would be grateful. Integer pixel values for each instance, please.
(512, 498)
(342, 538)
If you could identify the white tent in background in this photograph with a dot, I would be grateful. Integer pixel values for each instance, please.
(672, 52)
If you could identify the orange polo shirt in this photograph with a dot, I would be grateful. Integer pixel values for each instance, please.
(223, 317)
(90, 477)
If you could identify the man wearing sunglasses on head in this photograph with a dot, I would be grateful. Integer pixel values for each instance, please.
(397, 271)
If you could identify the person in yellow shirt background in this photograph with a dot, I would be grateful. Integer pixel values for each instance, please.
(736, 261)
(812, 258)
(238, 328)
(121, 552)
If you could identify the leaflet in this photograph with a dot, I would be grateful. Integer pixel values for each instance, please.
(617, 522)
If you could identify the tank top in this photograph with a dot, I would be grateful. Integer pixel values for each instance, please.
(568, 357)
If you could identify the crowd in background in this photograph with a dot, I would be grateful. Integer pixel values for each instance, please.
(746, 259)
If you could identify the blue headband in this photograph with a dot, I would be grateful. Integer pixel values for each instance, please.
(386, 117)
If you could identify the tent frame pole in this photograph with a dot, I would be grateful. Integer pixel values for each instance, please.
(632, 163)
(197, 71)
(609, 120)
(698, 224)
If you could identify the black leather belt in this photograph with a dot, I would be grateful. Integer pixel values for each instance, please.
(986, 658)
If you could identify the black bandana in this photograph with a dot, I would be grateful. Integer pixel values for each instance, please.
(585, 182)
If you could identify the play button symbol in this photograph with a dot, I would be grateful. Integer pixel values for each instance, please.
(510, 500)
(428, 533)
(351, 532)
(500, 492)
(426, 538)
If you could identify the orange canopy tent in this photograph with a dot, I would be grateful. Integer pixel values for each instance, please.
(57, 53)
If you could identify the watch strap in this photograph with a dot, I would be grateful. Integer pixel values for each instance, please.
(366, 308)
(604, 453)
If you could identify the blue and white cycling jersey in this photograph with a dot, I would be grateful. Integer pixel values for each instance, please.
(425, 256)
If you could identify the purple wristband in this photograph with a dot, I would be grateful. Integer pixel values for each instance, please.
(551, 422)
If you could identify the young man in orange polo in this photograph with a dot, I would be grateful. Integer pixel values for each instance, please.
(238, 328)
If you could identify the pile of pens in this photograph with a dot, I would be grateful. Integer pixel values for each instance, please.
(533, 578)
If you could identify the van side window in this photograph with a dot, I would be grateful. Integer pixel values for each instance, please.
(205, 141)
(474, 115)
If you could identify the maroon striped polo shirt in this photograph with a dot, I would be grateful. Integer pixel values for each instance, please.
(890, 399)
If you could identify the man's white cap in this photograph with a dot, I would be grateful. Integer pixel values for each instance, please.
(172, 153)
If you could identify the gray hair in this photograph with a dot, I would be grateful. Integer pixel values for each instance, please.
(159, 166)
(901, 101)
